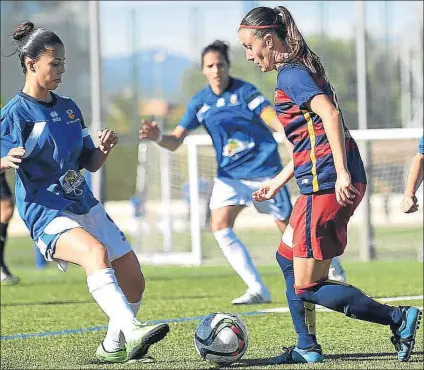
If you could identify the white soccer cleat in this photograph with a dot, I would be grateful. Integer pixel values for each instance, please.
(7, 278)
(253, 298)
(336, 271)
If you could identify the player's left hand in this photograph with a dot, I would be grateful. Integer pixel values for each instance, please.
(409, 204)
(267, 190)
(108, 140)
(345, 191)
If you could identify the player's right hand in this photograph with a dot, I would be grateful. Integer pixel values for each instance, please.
(409, 204)
(149, 131)
(267, 190)
(13, 158)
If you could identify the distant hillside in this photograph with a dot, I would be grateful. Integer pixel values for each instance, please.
(118, 73)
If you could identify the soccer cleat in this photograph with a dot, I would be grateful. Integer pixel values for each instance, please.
(142, 338)
(7, 278)
(112, 357)
(253, 298)
(404, 336)
(294, 355)
(336, 271)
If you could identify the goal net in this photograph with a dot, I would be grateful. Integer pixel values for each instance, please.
(173, 218)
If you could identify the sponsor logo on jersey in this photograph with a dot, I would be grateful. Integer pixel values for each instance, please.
(55, 116)
(235, 146)
(71, 181)
(220, 102)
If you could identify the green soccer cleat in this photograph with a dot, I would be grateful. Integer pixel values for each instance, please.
(143, 337)
(112, 357)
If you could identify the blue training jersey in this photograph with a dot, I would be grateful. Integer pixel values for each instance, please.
(421, 145)
(245, 147)
(55, 140)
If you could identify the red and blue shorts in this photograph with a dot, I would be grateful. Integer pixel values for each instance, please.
(319, 224)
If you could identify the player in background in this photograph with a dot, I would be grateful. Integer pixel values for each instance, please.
(236, 116)
(44, 138)
(6, 213)
(329, 171)
(414, 180)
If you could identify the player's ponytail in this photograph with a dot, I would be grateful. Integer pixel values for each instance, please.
(263, 20)
(33, 41)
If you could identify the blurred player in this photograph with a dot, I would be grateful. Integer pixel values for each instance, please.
(6, 213)
(43, 137)
(414, 180)
(236, 116)
(329, 171)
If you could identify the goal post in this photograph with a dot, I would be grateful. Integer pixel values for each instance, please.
(177, 230)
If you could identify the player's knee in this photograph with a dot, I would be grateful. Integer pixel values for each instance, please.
(224, 236)
(305, 291)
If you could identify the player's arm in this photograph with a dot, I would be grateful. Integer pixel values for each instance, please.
(11, 144)
(413, 182)
(172, 142)
(92, 158)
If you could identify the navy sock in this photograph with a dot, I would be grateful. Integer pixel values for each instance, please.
(296, 305)
(3, 234)
(351, 301)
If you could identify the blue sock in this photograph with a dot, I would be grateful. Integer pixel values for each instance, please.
(296, 305)
(351, 301)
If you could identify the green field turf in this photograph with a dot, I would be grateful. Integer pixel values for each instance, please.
(51, 301)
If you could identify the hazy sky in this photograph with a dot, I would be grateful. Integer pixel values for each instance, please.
(176, 26)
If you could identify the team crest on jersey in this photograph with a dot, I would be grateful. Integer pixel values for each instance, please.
(55, 116)
(235, 146)
(234, 100)
(71, 116)
(71, 181)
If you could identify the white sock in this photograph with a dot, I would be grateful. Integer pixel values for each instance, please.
(105, 290)
(115, 339)
(239, 258)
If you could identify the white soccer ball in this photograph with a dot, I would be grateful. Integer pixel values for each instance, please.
(221, 338)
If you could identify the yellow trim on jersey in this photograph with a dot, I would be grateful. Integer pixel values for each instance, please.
(268, 114)
(311, 132)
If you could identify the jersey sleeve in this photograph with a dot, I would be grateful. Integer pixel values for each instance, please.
(87, 141)
(421, 145)
(256, 102)
(193, 116)
(298, 84)
(11, 135)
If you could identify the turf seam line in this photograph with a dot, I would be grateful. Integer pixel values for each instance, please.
(188, 319)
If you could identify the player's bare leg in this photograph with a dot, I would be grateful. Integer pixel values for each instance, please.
(79, 247)
(222, 222)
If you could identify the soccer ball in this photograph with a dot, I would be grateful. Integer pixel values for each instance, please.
(221, 338)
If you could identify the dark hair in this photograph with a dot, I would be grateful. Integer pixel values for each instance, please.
(298, 49)
(218, 46)
(33, 41)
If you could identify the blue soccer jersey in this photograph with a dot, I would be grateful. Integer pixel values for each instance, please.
(245, 147)
(421, 145)
(55, 140)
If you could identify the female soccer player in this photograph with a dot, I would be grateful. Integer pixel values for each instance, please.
(414, 180)
(43, 137)
(329, 172)
(6, 213)
(236, 116)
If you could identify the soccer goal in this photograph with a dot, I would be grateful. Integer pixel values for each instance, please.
(174, 189)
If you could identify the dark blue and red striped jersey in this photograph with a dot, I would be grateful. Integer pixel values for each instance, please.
(313, 159)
